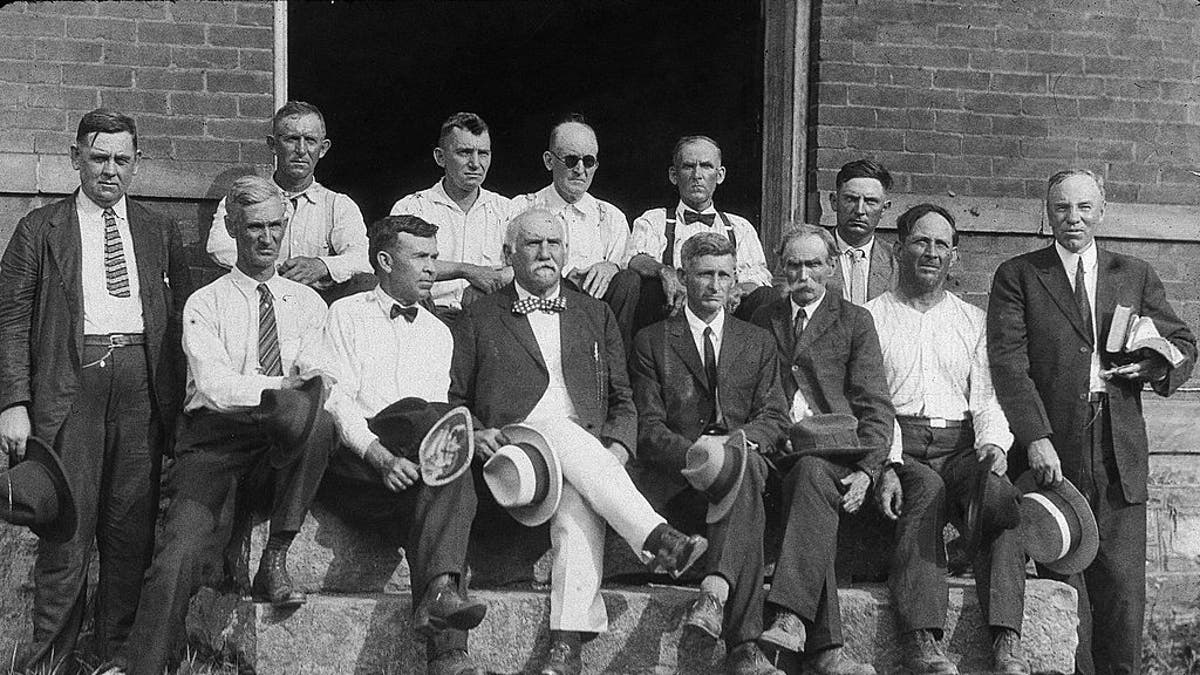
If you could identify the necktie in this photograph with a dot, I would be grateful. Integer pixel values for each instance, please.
(523, 307)
(710, 371)
(798, 325)
(858, 276)
(690, 217)
(115, 275)
(409, 313)
(268, 334)
(1081, 301)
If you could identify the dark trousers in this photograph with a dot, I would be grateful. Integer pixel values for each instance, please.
(999, 564)
(432, 523)
(735, 548)
(110, 445)
(1112, 590)
(217, 455)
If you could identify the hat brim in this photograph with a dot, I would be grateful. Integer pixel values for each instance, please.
(1077, 559)
(718, 511)
(979, 496)
(62, 528)
(536, 514)
(444, 430)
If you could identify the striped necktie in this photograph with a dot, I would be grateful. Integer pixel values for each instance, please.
(268, 334)
(116, 276)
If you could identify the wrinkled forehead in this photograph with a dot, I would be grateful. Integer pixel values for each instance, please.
(698, 151)
(932, 226)
(307, 124)
(806, 248)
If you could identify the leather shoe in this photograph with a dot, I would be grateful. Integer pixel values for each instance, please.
(923, 655)
(706, 615)
(272, 583)
(564, 657)
(833, 661)
(748, 659)
(444, 607)
(786, 632)
(454, 662)
(675, 551)
(1007, 655)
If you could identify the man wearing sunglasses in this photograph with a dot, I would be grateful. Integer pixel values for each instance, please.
(596, 231)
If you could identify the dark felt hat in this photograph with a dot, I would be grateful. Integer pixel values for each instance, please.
(436, 436)
(291, 415)
(717, 472)
(1058, 527)
(35, 493)
(995, 505)
(829, 435)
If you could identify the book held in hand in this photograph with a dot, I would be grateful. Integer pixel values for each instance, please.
(1131, 333)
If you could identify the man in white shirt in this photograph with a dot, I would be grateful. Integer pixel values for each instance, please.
(949, 422)
(382, 346)
(249, 339)
(470, 219)
(324, 244)
(596, 231)
(859, 201)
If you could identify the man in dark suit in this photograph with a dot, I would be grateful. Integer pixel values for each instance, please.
(537, 352)
(679, 407)
(1077, 408)
(830, 363)
(865, 265)
(91, 288)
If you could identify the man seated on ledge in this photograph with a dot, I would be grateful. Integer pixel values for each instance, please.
(536, 351)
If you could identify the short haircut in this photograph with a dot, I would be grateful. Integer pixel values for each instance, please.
(385, 232)
(105, 121)
(1061, 176)
(687, 140)
(514, 225)
(569, 118)
(247, 191)
(296, 109)
(864, 168)
(796, 231)
(906, 221)
(706, 243)
(467, 121)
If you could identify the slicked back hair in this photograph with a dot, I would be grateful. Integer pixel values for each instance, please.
(383, 233)
(706, 243)
(104, 121)
(1061, 176)
(906, 221)
(688, 140)
(514, 225)
(296, 109)
(864, 168)
(569, 118)
(247, 191)
(796, 231)
(467, 121)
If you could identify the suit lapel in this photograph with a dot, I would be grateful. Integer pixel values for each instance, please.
(825, 316)
(578, 345)
(781, 325)
(879, 277)
(679, 335)
(733, 343)
(1052, 276)
(144, 255)
(519, 326)
(1107, 272)
(65, 244)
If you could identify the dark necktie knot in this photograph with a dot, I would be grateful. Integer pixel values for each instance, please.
(523, 307)
(409, 313)
(708, 219)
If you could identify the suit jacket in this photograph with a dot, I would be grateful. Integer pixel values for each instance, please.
(838, 366)
(1040, 356)
(498, 372)
(41, 312)
(881, 275)
(673, 398)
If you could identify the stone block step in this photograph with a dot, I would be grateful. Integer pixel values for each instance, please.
(369, 633)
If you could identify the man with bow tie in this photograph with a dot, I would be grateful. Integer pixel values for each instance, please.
(381, 346)
(865, 265)
(656, 243)
(538, 351)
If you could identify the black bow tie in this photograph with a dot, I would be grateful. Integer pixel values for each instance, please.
(409, 313)
(708, 219)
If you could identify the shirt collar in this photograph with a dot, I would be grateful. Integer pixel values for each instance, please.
(249, 287)
(587, 204)
(1068, 258)
(842, 246)
(697, 325)
(386, 302)
(523, 294)
(309, 193)
(682, 208)
(438, 194)
(809, 309)
(91, 209)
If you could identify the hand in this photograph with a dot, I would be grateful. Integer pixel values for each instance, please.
(1152, 369)
(296, 381)
(856, 491)
(14, 432)
(304, 270)
(488, 441)
(486, 279)
(619, 452)
(673, 288)
(398, 474)
(597, 278)
(890, 495)
(993, 454)
(1043, 460)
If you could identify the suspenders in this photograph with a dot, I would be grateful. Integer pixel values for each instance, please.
(668, 257)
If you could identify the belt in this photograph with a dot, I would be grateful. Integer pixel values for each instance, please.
(1097, 396)
(932, 422)
(114, 340)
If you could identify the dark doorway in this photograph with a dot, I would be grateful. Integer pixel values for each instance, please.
(644, 73)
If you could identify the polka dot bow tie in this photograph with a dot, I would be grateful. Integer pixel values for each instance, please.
(523, 307)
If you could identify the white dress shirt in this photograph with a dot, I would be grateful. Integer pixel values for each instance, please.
(937, 366)
(595, 231)
(475, 236)
(220, 339)
(102, 312)
(697, 326)
(650, 237)
(321, 224)
(556, 401)
(799, 407)
(1070, 262)
(846, 262)
(377, 360)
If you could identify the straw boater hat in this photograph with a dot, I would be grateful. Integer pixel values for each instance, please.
(438, 437)
(1057, 525)
(35, 493)
(717, 472)
(525, 476)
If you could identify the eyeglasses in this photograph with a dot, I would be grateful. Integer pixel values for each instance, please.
(570, 161)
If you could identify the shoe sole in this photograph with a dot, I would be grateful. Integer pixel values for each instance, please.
(282, 604)
(465, 618)
(698, 551)
(782, 640)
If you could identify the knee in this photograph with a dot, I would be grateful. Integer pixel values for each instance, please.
(922, 485)
(814, 475)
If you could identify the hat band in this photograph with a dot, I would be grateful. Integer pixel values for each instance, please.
(541, 472)
(1059, 519)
